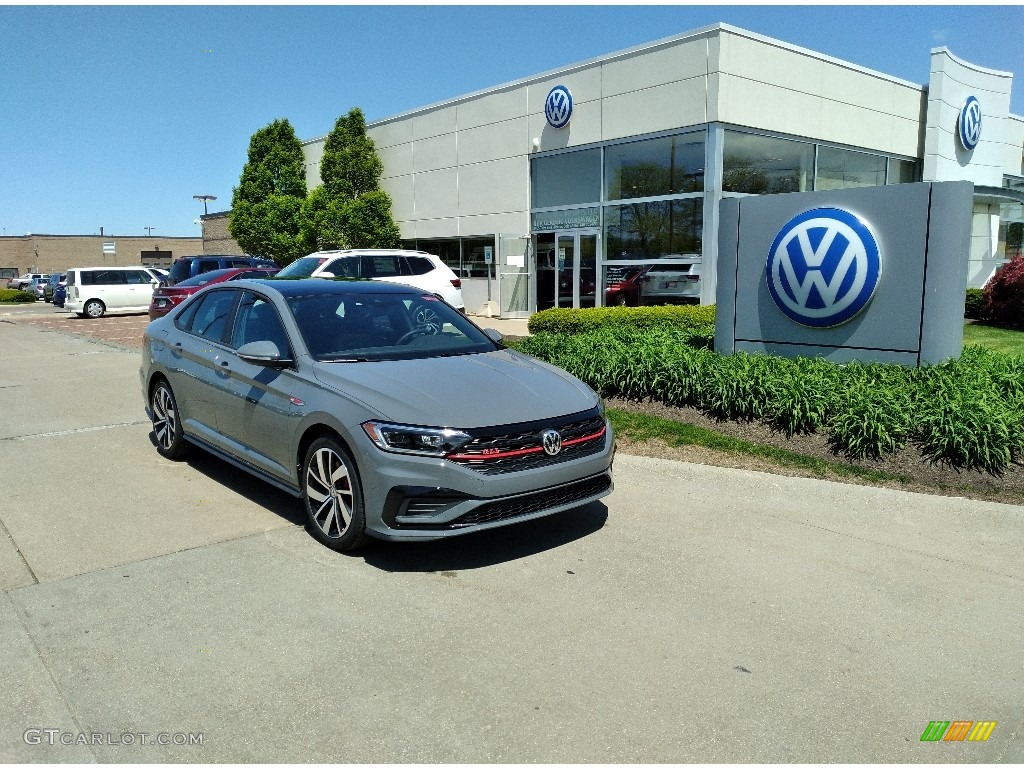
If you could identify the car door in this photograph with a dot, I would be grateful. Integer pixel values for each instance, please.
(139, 285)
(201, 379)
(263, 412)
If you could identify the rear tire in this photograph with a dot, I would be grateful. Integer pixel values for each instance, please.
(94, 308)
(170, 439)
(333, 496)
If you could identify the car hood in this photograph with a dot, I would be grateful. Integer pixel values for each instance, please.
(502, 387)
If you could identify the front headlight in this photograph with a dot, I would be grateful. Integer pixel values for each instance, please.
(420, 441)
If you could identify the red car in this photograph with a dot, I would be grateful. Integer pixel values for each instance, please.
(622, 285)
(166, 298)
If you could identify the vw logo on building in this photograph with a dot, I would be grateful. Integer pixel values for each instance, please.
(558, 106)
(969, 123)
(823, 267)
(552, 442)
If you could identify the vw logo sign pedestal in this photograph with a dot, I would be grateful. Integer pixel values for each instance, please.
(870, 274)
(823, 267)
(558, 107)
(968, 123)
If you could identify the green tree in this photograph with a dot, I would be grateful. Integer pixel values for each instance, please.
(266, 206)
(349, 209)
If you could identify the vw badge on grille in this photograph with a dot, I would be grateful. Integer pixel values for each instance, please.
(552, 441)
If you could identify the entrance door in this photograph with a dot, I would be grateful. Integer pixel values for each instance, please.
(567, 269)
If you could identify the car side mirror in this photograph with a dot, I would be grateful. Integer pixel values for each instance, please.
(263, 353)
(494, 335)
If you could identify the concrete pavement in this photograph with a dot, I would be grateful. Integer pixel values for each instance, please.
(700, 614)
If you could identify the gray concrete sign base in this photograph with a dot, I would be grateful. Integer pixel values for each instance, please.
(699, 615)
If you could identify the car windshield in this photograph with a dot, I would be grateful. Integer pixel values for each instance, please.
(203, 279)
(303, 267)
(179, 271)
(360, 327)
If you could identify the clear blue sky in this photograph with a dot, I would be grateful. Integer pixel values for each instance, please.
(116, 116)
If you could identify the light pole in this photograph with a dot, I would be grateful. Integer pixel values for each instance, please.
(205, 199)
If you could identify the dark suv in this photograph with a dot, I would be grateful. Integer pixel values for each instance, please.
(190, 266)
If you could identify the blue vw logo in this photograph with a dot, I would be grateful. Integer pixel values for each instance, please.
(823, 267)
(969, 123)
(558, 106)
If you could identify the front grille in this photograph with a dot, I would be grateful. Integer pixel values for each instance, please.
(507, 509)
(520, 448)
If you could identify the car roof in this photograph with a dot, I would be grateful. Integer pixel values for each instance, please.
(318, 286)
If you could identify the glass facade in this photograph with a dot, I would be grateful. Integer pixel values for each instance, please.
(572, 178)
(843, 169)
(464, 255)
(670, 165)
(762, 165)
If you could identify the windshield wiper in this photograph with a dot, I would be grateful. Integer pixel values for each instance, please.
(345, 360)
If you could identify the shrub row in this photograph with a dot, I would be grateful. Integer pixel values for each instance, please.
(967, 413)
(14, 296)
(699, 320)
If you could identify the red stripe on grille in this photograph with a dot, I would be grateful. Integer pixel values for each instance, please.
(522, 451)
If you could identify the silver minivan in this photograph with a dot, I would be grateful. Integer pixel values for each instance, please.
(96, 291)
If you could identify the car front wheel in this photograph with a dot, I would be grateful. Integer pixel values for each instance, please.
(333, 496)
(170, 440)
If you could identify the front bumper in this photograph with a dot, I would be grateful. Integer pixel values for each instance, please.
(412, 498)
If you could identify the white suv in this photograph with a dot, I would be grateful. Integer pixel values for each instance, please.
(416, 268)
(95, 291)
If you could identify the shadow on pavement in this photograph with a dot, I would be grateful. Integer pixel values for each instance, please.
(486, 548)
(472, 550)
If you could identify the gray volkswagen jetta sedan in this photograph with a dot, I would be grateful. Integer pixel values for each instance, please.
(390, 413)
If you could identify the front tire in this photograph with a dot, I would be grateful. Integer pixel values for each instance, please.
(333, 496)
(94, 308)
(170, 439)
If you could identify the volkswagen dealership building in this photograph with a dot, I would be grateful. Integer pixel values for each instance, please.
(600, 183)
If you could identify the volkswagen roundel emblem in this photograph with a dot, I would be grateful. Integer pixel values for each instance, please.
(968, 124)
(823, 267)
(558, 106)
(552, 442)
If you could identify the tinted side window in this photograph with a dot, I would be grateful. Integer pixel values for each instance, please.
(257, 320)
(211, 317)
(419, 265)
(380, 266)
(208, 266)
(137, 277)
(343, 267)
(105, 277)
(237, 263)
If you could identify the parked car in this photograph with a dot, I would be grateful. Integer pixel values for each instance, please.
(20, 283)
(332, 392)
(60, 294)
(165, 297)
(190, 266)
(420, 270)
(35, 286)
(663, 283)
(50, 288)
(95, 291)
(622, 285)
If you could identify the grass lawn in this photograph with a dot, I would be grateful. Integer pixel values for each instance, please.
(994, 337)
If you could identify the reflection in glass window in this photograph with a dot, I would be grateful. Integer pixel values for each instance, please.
(671, 165)
(446, 250)
(760, 165)
(653, 230)
(842, 169)
(473, 260)
(902, 171)
(567, 179)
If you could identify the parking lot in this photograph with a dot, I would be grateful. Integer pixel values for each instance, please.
(155, 611)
